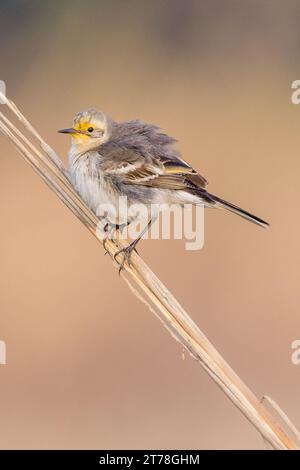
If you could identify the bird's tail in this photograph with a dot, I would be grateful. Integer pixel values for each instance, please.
(237, 210)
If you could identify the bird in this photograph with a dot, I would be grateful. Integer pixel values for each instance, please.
(109, 159)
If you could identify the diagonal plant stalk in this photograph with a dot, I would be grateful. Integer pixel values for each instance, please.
(144, 283)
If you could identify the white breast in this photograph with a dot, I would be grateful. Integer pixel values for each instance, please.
(94, 189)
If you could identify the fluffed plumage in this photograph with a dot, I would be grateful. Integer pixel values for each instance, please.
(110, 159)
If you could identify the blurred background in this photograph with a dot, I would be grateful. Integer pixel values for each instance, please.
(88, 366)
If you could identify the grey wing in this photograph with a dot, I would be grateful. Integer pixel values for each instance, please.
(140, 154)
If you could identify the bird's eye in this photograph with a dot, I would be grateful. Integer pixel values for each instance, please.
(90, 129)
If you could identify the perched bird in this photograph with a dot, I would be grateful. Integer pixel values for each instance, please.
(110, 159)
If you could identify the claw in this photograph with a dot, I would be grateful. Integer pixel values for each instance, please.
(108, 233)
(126, 256)
(104, 245)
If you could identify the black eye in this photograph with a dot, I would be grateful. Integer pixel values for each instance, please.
(90, 129)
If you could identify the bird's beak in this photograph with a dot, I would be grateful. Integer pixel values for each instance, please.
(70, 130)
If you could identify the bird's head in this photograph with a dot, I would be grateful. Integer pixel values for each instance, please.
(91, 128)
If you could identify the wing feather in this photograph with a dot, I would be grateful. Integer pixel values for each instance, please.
(131, 162)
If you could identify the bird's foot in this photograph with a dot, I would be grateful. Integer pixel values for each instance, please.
(127, 251)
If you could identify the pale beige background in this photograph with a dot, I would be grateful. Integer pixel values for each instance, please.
(88, 365)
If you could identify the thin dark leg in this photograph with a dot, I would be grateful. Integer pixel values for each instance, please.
(107, 231)
(128, 249)
(114, 228)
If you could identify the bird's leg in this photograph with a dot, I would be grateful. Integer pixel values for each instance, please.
(106, 227)
(109, 233)
(120, 227)
(132, 246)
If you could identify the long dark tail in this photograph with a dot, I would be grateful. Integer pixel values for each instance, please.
(237, 210)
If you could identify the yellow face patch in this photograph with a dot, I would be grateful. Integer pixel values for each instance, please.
(89, 128)
(80, 138)
(82, 125)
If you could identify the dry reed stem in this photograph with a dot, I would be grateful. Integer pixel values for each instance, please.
(156, 296)
(286, 420)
